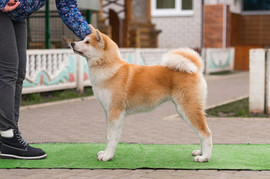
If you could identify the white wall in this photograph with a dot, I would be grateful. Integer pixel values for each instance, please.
(180, 31)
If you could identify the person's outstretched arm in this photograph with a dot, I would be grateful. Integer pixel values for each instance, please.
(73, 18)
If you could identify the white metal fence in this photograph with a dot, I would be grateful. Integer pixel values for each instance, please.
(49, 70)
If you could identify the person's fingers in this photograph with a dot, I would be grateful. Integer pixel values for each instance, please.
(6, 8)
(9, 7)
(16, 5)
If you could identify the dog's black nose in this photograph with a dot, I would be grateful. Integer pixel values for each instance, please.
(72, 44)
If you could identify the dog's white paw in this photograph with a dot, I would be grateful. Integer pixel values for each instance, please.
(196, 153)
(200, 159)
(102, 156)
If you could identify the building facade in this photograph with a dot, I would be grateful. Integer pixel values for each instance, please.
(179, 29)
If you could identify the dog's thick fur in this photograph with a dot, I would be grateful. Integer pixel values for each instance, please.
(123, 88)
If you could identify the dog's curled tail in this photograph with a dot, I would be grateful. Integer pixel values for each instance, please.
(183, 60)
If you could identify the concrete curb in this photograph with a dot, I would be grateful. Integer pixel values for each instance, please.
(56, 103)
(222, 77)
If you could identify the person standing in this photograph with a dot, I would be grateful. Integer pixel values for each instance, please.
(13, 44)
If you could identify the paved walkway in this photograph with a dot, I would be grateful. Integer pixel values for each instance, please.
(83, 121)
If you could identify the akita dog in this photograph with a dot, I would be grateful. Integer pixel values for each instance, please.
(122, 88)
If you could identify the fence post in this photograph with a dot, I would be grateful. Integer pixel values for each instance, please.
(88, 16)
(256, 80)
(137, 55)
(267, 82)
(79, 80)
(203, 56)
(47, 25)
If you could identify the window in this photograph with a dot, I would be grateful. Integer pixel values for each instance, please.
(256, 5)
(171, 7)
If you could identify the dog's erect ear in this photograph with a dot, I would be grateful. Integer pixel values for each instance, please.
(92, 28)
(100, 39)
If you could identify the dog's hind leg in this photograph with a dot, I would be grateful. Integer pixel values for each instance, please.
(114, 128)
(191, 112)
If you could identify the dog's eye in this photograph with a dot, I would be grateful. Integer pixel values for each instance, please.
(87, 42)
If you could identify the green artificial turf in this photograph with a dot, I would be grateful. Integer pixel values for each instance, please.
(134, 156)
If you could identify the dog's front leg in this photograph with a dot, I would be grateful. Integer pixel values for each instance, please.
(114, 128)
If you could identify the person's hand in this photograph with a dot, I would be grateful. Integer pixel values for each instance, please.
(11, 5)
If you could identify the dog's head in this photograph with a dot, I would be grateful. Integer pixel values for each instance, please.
(97, 48)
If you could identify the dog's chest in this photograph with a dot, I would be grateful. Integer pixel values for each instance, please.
(103, 96)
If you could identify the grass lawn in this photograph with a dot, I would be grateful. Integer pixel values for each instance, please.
(147, 156)
(235, 109)
(37, 98)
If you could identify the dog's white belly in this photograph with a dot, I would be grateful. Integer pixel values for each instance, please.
(145, 107)
(139, 109)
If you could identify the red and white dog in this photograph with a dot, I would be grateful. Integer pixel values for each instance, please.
(122, 88)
